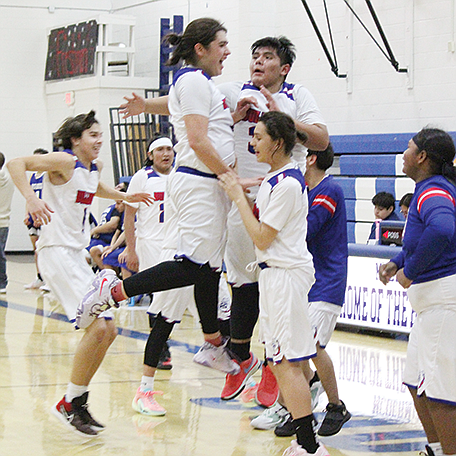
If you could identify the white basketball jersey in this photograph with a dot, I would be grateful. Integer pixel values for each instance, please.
(193, 92)
(69, 225)
(149, 219)
(292, 99)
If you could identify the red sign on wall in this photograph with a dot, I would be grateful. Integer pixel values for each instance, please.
(71, 51)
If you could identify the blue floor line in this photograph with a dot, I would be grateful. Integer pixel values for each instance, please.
(365, 441)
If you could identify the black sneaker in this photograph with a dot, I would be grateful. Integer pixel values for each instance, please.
(70, 415)
(286, 429)
(428, 451)
(336, 417)
(85, 414)
(164, 362)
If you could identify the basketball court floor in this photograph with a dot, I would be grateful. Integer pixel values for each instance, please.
(36, 349)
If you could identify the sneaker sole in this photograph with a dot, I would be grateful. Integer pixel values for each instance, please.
(334, 432)
(242, 386)
(137, 408)
(68, 425)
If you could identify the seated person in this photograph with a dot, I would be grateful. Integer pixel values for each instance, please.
(384, 204)
(113, 256)
(404, 204)
(101, 235)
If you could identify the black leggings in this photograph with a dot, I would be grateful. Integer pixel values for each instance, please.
(177, 274)
(158, 336)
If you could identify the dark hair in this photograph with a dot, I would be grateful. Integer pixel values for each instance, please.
(40, 152)
(283, 46)
(201, 31)
(280, 126)
(325, 158)
(73, 128)
(384, 199)
(406, 199)
(124, 186)
(2, 160)
(150, 161)
(440, 150)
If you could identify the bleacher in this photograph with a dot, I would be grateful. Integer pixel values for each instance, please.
(370, 164)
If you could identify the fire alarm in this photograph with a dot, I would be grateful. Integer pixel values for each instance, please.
(69, 98)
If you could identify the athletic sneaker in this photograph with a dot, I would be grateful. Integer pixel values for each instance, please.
(428, 451)
(144, 402)
(45, 288)
(74, 415)
(268, 389)
(217, 358)
(97, 299)
(286, 428)
(35, 285)
(164, 361)
(3, 290)
(297, 450)
(316, 390)
(336, 417)
(270, 418)
(234, 384)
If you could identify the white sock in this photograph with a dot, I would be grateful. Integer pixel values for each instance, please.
(74, 391)
(436, 447)
(147, 383)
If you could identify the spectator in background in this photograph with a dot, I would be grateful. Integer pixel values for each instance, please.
(36, 182)
(404, 204)
(384, 204)
(102, 234)
(6, 195)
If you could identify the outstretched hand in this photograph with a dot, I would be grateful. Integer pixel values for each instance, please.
(139, 198)
(39, 210)
(134, 106)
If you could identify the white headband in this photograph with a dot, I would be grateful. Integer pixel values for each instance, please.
(160, 142)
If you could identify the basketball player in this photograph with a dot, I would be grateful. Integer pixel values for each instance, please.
(71, 180)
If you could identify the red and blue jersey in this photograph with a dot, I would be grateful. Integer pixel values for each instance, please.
(327, 241)
(429, 242)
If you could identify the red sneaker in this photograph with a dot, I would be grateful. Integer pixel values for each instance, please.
(234, 384)
(268, 389)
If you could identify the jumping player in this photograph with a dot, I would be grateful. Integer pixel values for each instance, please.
(271, 62)
(202, 121)
(71, 180)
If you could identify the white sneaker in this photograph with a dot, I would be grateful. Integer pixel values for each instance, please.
(3, 290)
(316, 390)
(270, 418)
(217, 358)
(37, 283)
(45, 288)
(97, 299)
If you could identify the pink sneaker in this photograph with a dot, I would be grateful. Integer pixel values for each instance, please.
(297, 450)
(234, 384)
(144, 402)
(268, 389)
